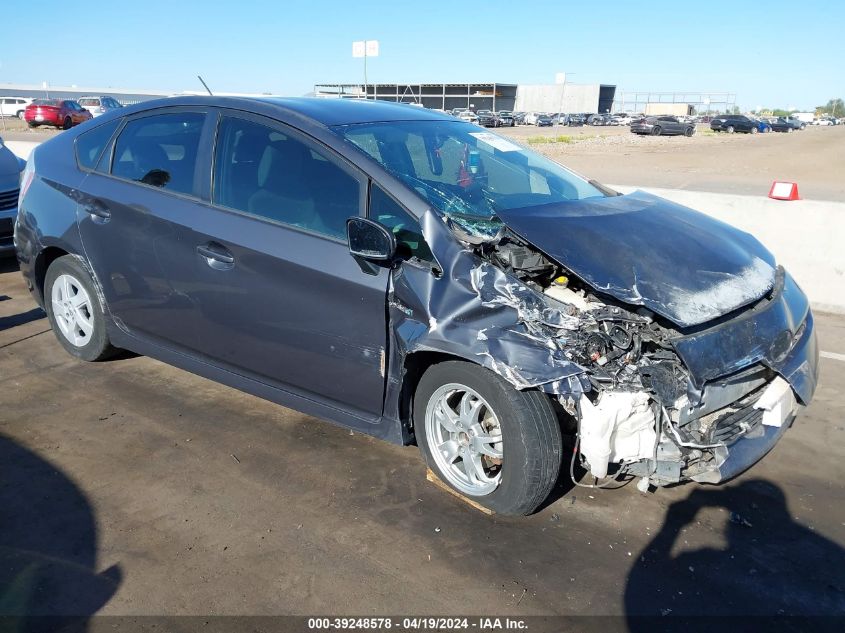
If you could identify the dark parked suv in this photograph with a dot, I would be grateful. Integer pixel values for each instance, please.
(731, 123)
(411, 276)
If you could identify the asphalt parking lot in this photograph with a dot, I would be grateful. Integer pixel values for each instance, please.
(131, 487)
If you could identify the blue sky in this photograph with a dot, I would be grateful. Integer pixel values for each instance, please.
(776, 53)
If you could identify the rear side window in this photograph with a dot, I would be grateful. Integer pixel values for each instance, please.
(160, 150)
(268, 173)
(90, 145)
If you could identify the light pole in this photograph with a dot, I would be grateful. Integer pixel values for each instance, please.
(365, 49)
(560, 79)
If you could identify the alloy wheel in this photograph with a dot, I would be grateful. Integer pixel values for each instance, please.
(72, 310)
(465, 439)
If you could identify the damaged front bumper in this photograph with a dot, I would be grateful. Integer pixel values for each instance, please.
(749, 378)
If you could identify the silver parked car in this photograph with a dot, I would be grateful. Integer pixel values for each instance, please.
(99, 105)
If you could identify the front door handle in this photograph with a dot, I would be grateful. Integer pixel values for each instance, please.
(97, 209)
(216, 256)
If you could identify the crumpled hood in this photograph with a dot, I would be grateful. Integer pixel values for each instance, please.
(644, 250)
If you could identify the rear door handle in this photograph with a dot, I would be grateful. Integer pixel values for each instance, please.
(97, 208)
(216, 256)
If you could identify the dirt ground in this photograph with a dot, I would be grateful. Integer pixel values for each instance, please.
(708, 161)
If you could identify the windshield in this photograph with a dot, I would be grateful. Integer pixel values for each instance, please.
(462, 170)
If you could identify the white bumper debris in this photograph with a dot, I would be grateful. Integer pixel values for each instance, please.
(777, 402)
(618, 428)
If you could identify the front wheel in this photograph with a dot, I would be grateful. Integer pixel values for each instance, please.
(689, 131)
(75, 312)
(754, 130)
(20, 114)
(68, 123)
(655, 131)
(730, 129)
(492, 443)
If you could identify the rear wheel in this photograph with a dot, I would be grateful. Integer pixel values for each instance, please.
(492, 443)
(730, 129)
(75, 312)
(68, 123)
(20, 114)
(33, 125)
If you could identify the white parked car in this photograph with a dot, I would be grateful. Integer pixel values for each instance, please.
(530, 118)
(14, 106)
(624, 118)
(99, 104)
(821, 122)
(469, 116)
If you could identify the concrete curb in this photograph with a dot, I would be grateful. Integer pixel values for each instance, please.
(806, 236)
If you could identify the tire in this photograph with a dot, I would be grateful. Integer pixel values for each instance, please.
(790, 130)
(730, 129)
(530, 446)
(754, 130)
(32, 125)
(655, 131)
(73, 304)
(689, 131)
(20, 114)
(68, 123)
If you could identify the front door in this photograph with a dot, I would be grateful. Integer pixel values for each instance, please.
(278, 295)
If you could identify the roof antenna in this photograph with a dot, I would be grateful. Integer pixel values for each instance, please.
(205, 85)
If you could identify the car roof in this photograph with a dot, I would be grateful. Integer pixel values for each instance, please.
(327, 112)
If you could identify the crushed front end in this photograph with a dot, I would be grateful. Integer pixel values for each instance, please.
(655, 400)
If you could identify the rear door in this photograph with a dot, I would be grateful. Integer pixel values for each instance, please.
(135, 213)
(278, 295)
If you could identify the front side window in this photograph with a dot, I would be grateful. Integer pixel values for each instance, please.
(160, 150)
(266, 172)
(464, 172)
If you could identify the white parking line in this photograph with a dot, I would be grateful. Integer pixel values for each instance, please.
(833, 356)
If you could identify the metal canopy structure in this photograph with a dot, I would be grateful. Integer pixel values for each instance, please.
(703, 102)
(443, 96)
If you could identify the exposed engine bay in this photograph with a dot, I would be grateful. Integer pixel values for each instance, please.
(641, 413)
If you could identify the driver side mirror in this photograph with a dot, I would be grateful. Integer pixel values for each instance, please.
(370, 240)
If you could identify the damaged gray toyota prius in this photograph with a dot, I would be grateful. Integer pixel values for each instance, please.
(423, 280)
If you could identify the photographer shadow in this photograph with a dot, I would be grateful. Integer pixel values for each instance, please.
(48, 547)
(770, 565)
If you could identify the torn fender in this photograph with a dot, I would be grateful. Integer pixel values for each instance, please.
(473, 310)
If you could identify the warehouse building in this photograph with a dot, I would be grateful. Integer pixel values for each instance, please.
(474, 96)
(567, 97)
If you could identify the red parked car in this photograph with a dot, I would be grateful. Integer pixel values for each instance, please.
(62, 113)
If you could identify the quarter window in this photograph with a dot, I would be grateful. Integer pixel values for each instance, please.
(269, 173)
(409, 238)
(90, 145)
(160, 150)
